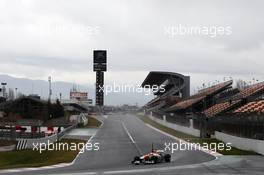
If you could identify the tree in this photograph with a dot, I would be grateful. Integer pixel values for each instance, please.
(58, 109)
(50, 110)
(55, 110)
(19, 95)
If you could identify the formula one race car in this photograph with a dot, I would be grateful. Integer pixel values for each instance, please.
(155, 156)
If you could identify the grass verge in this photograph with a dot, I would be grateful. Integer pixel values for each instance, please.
(193, 139)
(30, 158)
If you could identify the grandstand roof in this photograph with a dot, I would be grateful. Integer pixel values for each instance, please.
(194, 99)
(158, 77)
(173, 85)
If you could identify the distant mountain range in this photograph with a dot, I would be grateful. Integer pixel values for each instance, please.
(40, 87)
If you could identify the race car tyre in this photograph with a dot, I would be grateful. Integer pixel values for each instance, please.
(154, 159)
(137, 158)
(167, 158)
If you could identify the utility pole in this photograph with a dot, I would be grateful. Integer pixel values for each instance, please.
(16, 93)
(60, 96)
(50, 91)
(4, 89)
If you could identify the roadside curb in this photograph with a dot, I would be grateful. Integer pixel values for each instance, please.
(7, 148)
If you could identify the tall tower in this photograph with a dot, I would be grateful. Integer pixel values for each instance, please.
(99, 67)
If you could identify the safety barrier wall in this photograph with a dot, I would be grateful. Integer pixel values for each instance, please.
(242, 143)
(188, 130)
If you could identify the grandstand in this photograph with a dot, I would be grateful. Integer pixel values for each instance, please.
(235, 111)
(210, 101)
(221, 107)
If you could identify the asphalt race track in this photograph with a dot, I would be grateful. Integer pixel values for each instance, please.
(124, 136)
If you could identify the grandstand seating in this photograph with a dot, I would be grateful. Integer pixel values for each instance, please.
(249, 91)
(255, 106)
(212, 89)
(189, 102)
(200, 96)
(220, 107)
(245, 93)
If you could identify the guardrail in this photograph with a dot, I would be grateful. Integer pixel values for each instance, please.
(12, 135)
(31, 143)
(65, 131)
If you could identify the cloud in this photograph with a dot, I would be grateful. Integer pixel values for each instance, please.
(39, 38)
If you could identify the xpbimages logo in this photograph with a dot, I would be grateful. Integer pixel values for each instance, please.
(131, 88)
(60, 146)
(187, 146)
(201, 30)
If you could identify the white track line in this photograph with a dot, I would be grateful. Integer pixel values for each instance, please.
(131, 138)
(129, 135)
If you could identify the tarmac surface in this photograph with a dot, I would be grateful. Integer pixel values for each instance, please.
(123, 136)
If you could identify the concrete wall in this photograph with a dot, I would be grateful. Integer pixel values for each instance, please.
(242, 143)
(188, 130)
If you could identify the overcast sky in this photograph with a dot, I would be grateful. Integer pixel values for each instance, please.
(57, 37)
